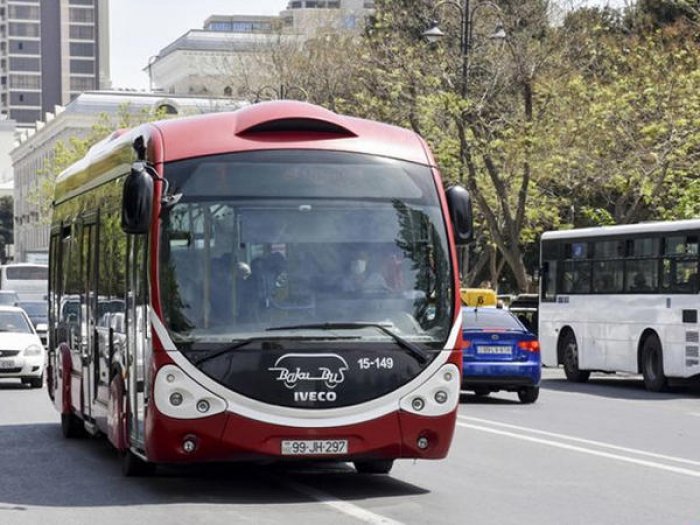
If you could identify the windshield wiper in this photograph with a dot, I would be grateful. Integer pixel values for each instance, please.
(244, 342)
(420, 354)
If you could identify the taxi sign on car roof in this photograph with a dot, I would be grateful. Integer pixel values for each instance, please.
(478, 297)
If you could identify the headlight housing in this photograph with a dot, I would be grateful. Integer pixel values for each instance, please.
(42, 327)
(32, 350)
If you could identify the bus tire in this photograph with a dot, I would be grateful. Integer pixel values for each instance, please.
(133, 466)
(72, 426)
(529, 394)
(655, 379)
(570, 359)
(379, 466)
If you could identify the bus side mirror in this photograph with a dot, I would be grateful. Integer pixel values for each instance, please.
(137, 200)
(459, 204)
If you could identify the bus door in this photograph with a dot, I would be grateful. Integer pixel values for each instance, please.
(138, 343)
(89, 340)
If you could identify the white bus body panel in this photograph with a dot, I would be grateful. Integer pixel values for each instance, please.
(609, 328)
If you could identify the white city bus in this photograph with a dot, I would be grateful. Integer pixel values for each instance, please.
(30, 281)
(622, 299)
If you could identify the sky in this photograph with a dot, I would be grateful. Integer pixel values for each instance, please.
(139, 29)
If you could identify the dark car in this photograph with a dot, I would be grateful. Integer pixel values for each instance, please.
(525, 307)
(38, 313)
(500, 353)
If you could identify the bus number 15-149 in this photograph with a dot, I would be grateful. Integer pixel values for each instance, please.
(365, 363)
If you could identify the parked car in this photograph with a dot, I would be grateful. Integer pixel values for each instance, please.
(22, 355)
(8, 298)
(500, 353)
(38, 313)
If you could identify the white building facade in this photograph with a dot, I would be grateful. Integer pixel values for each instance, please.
(231, 55)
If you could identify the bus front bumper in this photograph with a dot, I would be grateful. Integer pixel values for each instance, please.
(231, 437)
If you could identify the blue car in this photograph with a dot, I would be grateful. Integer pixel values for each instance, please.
(499, 354)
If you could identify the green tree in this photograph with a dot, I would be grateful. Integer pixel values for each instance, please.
(626, 127)
(488, 139)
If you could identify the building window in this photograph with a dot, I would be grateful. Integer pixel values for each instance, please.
(82, 50)
(82, 83)
(81, 2)
(20, 47)
(82, 15)
(24, 29)
(25, 64)
(25, 81)
(219, 26)
(25, 99)
(25, 115)
(82, 32)
(167, 109)
(228, 91)
(82, 66)
(23, 12)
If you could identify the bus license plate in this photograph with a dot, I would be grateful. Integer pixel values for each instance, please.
(314, 447)
(494, 350)
(7, 363)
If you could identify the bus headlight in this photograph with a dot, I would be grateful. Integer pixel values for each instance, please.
(438, 396)
(176, 399)
(441, 397)
(179, 396)
(418, 404)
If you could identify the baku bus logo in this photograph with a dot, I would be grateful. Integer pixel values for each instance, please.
(293, 369)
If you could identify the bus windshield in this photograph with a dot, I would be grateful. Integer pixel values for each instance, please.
(274, 239)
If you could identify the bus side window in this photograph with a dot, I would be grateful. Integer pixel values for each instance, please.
(549, 280)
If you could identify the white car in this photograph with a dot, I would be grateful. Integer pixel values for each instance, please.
(22, 356)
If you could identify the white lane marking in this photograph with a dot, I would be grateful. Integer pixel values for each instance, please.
(582, 440)
(349, 509)
(696, 414)
(592, 452)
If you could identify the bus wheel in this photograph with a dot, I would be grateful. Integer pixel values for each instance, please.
(653, 365)
(133, 466)
(571, 360)
(380, 466)
(72, 426)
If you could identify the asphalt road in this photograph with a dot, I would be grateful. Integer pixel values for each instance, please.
(606, 452)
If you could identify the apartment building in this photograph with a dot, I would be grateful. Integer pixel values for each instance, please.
(50, 52)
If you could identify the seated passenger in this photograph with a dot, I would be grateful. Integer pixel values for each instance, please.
(639, 284)
(361, 278)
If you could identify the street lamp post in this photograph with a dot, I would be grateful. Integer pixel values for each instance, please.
(282, 92)
(435, 34)
(467, 12)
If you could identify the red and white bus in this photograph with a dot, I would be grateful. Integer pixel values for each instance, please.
(274, 283)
